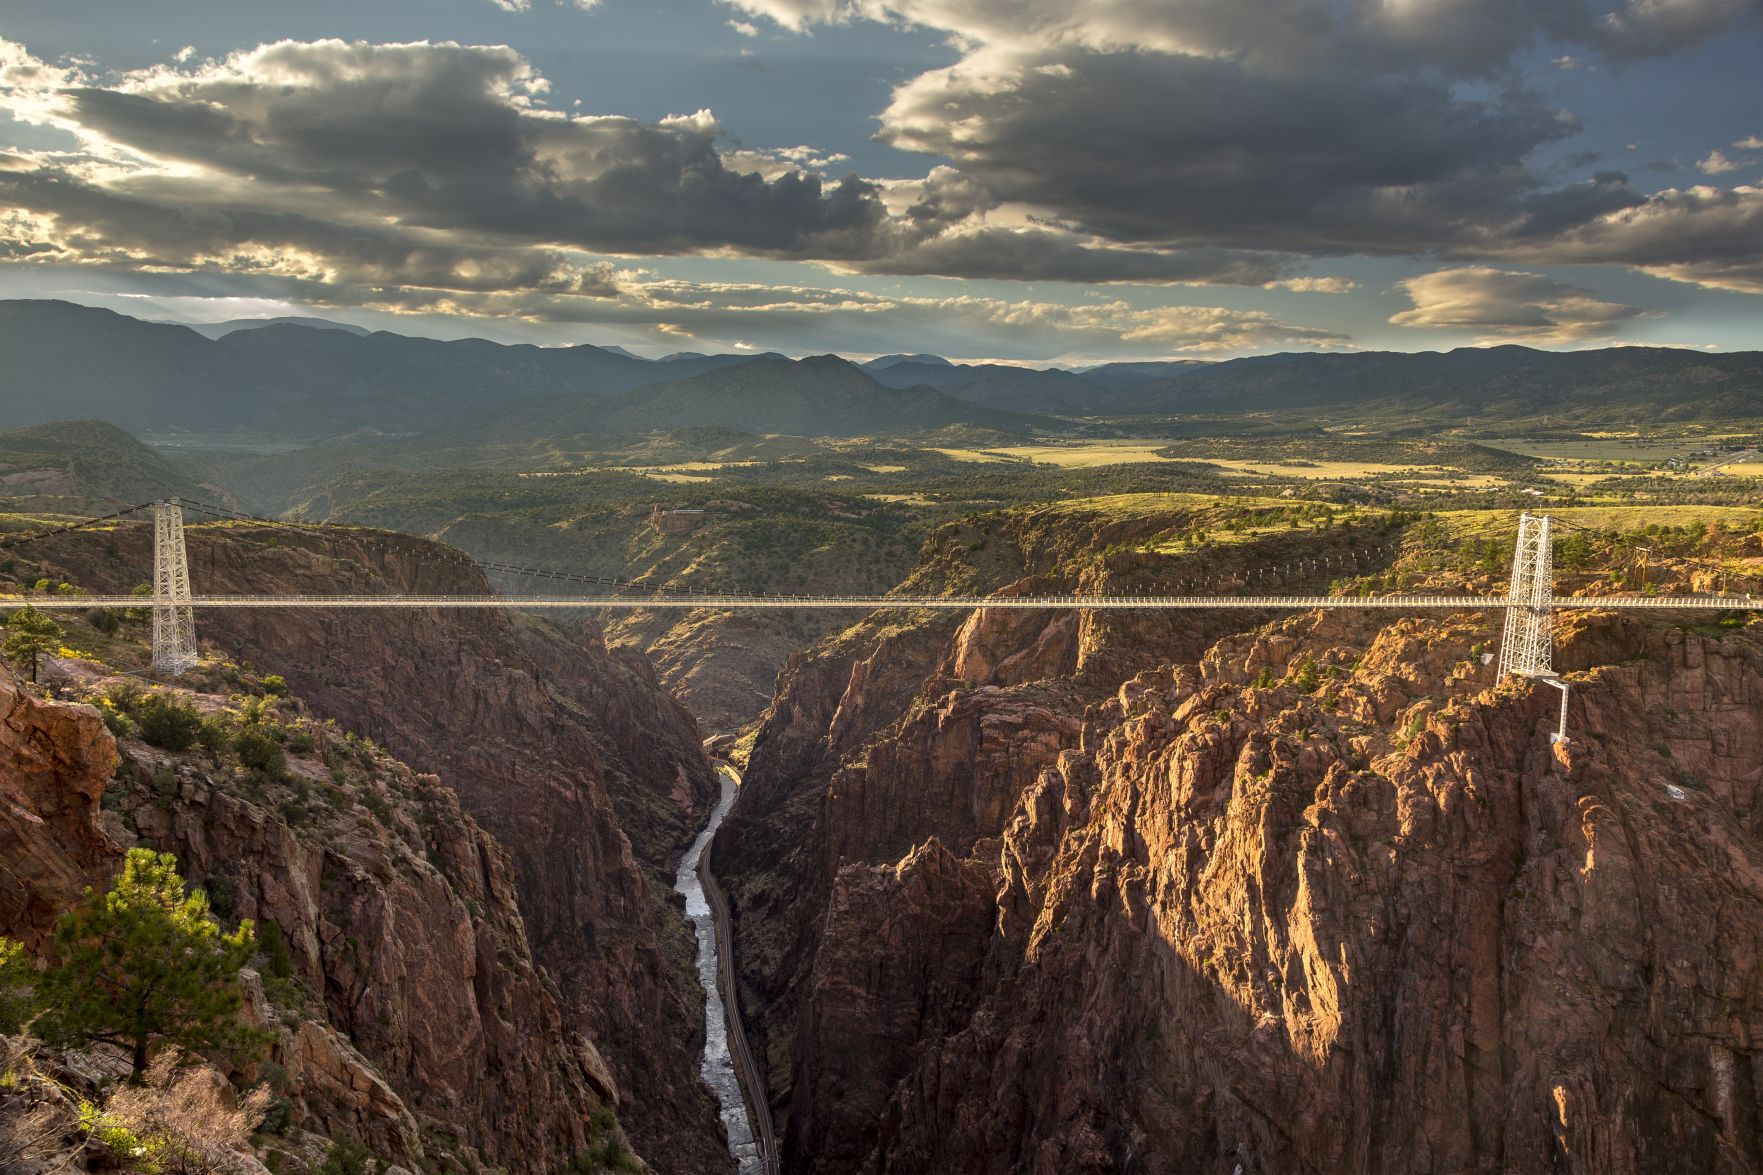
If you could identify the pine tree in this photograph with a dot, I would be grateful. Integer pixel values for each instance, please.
(146, 962)
(29, 634)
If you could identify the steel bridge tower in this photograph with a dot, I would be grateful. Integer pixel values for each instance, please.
(1527, 647)
(174, 620)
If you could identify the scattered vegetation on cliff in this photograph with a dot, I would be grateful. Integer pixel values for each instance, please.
(145, 968)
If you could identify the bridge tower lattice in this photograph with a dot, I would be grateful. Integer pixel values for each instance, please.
(1527, 647)
(174, 620)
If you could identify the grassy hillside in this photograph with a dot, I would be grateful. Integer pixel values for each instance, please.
(84, 463)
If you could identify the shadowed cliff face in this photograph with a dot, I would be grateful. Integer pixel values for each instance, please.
(1077, 899)
(572, 756)
(411, 1016)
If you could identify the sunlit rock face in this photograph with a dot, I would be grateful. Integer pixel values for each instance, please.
(54, 763)
(1314, 895)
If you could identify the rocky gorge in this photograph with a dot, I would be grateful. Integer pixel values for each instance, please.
(1012, 891)
(1040, 892)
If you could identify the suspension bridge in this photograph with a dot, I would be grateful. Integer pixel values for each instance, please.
(1526, 647)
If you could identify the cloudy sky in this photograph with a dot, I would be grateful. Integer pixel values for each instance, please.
(1030, 180)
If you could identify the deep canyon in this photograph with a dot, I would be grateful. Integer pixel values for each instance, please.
(1012, 891)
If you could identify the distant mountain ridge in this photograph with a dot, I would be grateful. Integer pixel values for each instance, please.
(294, 381)
(883, 362)
(216, 330)
(284, 379)
(822, 395)
(1627, 384)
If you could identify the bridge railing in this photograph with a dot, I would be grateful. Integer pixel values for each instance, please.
(1400, 601)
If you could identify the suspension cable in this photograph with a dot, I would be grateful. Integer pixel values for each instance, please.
(10, 541)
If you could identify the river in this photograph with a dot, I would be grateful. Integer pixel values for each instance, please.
(718, 1068)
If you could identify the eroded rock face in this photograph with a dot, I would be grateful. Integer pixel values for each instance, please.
(570, 754)
(54, 762)
(1366, 918)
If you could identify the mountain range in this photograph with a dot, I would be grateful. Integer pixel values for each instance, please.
(1636, 384)
(304, 380)
(216, 330)
(822, 395)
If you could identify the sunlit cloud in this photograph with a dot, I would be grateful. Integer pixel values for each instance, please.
(1502, 306)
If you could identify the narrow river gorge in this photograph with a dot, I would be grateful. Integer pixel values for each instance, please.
(718, 1067)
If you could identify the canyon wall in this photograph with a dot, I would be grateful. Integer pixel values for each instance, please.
(1044, 893)
(403, 1006)
(571, 755)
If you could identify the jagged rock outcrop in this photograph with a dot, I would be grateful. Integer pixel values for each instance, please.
(1355, 913)
(1301, 946)
(570, 754)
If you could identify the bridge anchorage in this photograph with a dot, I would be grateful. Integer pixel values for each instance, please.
(1526, 645)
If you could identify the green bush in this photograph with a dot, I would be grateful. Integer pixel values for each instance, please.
(105, 620)
(18, 1003)
(214, 736)
(118, 723)
(377, 804)
(258, 749)
(1308, 677)
(275, 685)
(606, 1151)
(348, 1158)
(167, 723)
(301, 742)
(277, 963)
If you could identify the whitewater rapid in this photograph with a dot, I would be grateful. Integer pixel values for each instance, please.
(718, 1069)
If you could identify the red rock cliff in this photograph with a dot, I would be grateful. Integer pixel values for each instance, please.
(412, 1017)
(1124, 910)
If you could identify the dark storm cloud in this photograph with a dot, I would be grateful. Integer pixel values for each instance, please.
(77, 221)
(1651, 28)
(1462, 36)
(444, 160)
(1208, 141)
(1184, 150)
(1547, 213)
(449, 136)
(1297, 127)
(1706, 235)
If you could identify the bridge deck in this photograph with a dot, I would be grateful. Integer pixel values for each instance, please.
(958, 603)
